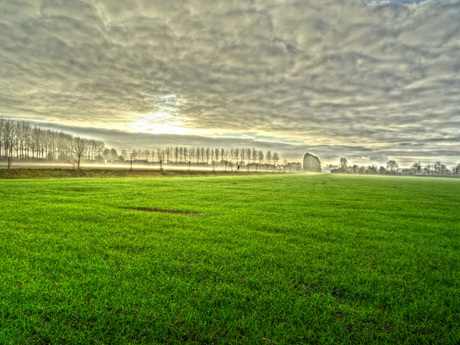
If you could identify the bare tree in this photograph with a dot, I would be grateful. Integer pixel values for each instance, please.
(242, 156)
(2, 124)
(392, 166)
(260, 157)
(167, 154)
(416, 168)
(9, 140)
(186, 154)
(217, 155)
(176, 154)
(440, 168)
(64, 143)
(444, 169)
(78, 149)
(276, 158)
(429, 169)
(22, 138)
(437, 167)
(456, 169)
(203, 154)
(268, 156)
(147, 155)
(181, 154)
(198, 155)
(131, 156)
(372, 169)
(208, 155)
(225, 157)
(161, 157)
(192, 154)
(236, 158)
(248, 155)
(98, 147)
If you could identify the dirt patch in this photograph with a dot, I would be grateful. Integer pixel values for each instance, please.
(146, 209)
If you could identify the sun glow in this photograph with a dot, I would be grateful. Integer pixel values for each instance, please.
(159, 123)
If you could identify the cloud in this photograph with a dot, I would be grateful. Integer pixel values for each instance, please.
(370, 75)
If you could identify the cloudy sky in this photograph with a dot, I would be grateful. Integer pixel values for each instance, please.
(367, 80)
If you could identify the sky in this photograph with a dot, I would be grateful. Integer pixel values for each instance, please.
(367, 80)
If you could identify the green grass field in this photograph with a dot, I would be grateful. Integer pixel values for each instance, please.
(289, 259)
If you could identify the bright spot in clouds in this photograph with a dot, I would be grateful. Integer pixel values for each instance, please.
(158, 123)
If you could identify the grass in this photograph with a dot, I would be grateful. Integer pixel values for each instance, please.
(291, 259)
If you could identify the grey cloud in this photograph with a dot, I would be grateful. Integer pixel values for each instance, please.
(345, 72)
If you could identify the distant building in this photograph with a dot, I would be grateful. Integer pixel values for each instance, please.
(311, 163)
(330, 167)
(293, 167)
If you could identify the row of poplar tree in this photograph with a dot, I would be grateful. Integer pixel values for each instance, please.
(197, 155)
(20, 140)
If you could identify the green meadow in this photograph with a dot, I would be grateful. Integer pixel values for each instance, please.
(274, 259)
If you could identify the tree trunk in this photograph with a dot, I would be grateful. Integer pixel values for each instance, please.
(9, 156)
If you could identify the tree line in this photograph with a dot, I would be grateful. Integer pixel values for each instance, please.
(19, 140)
(392, 168)
(202, 156)
(22, 141)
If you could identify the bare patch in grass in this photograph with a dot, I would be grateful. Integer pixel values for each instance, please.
(146, 209)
